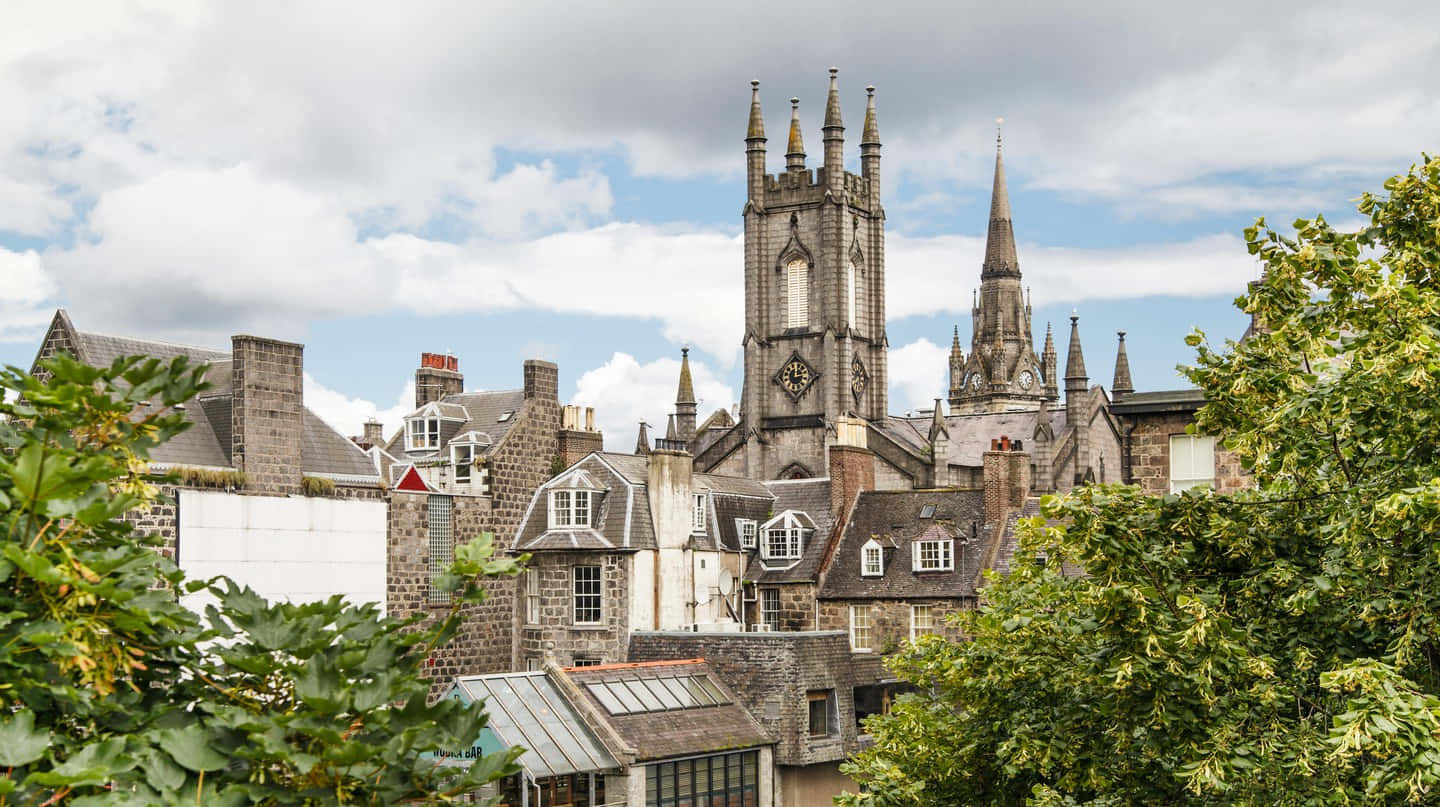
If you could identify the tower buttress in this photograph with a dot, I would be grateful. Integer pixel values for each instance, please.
(870, 149)
(755, 147)
(834, 138)
(795, 150)
(1077, 384)
(957, 367)
(1048, 361)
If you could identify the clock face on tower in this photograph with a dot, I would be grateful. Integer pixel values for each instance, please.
(975, 382)
(1026, 380)
(858, 378)
(795, 376)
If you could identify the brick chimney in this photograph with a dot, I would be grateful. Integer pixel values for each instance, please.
(267, 413)
(374, 433)
(1007, 479)
(578, 436)
(438, 376)
(542, 380)
(852, 467)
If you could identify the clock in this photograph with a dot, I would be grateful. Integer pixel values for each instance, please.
(795, 376)
(1026, 379)
(975, 382)
(858, 378)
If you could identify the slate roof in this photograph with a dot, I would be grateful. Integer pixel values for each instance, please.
(475, 411)
(676, 732)
(620, 508)
(970, 434)
(1175, 400)
(208, 440)
(893, 519)
(808, 496)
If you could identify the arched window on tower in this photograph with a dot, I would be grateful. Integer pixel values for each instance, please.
(797, 293)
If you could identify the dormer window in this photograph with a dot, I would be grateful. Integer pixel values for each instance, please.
(748, 530)
(782, 535)
(569, 509)
(872, 559)
(697, 514)
(422, 433)
(934, 556)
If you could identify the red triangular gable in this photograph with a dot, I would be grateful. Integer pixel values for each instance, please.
(412, 481)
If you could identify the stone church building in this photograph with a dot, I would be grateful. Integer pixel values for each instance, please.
(815, 345)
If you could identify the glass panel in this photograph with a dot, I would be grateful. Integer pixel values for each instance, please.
(714, 691)
(651, 780)
(678, 690)
(698, 691)
(684, 780)
(631, 703)
(667, 698)
(642, 693)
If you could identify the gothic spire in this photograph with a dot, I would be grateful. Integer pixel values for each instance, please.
(795, 153)
(956, 354)
(1122, 384)
(832, 103)
(685, 394)
(1075, 359)
(642, 440)
(871, 135)
(1000, 255)
(756, 129)
(1048, 360)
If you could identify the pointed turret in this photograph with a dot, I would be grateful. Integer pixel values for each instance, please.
(938, 431)
(670, 434)
(834, 138)
(642, 440)
(755, 146)
(870, 147)
(795, 151)
(1000, 255)
(685, 399)
(1050, 366)
(1122, 384)
(957, 367)
(1075, 357)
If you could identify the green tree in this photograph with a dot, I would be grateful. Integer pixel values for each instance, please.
(112, 693)
(1278, 646)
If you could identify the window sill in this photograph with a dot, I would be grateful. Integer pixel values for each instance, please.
(588, 627)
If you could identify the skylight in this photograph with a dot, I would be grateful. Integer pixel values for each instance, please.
(640, 695)
(928, 511)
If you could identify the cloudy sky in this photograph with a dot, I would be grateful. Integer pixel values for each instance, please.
(565, 180)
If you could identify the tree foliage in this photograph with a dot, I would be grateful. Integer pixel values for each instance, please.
(1277, 646)
(112, 693)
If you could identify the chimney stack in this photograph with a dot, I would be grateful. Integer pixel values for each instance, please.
(1006, 476)
(542, 380)
(267, 413)
(374, 432)
(438, 376)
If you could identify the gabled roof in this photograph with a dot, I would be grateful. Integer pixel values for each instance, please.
(493, 413)
(810, 497)
(896, 519)
(207, 443)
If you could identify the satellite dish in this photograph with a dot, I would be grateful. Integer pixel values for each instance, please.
(727, 582)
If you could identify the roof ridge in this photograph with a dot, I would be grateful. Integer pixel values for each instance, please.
(153, 341)
(628, 665)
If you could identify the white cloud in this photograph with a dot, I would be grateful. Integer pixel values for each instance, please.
(25, 290)
(348, 415)
(624, 392)
(918, 375)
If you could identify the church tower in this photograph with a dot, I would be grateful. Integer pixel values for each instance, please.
(814, 342)
(1002, 371)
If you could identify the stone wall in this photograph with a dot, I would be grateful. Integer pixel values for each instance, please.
(267, 414)
(890, 620)
(1150, 455)
(159, 520)
(797, 606)
(772, 673)
(556, 634)
(485, 640)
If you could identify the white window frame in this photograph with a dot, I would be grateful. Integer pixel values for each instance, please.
(916, 631)
(569, 509)
(532, 597)
(697, 513)
(862, 628)
(748, 530)
(428, 433)
(944, 557)
(872, 559)
(467, 463)
(576, 593)
(797, 293)
(784, 539)
(1194, 445)
(770, 616)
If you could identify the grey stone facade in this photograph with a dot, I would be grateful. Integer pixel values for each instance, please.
(549, 580)
(266, 414)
